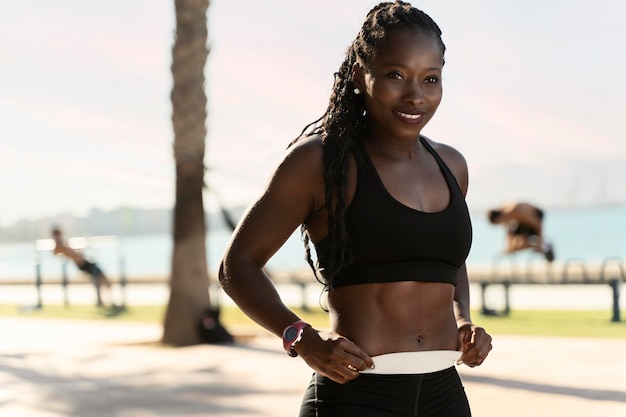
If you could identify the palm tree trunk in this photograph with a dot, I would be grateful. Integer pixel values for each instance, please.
(189, 280)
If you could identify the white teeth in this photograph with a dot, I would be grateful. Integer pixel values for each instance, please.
(410, 116)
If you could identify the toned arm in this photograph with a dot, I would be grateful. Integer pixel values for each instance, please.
(473, 340)
(289, 199)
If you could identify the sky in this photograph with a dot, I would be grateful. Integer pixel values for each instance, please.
(533, 98)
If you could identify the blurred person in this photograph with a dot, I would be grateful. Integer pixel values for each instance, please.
(524, 228)
(385, 208)
(98, 278)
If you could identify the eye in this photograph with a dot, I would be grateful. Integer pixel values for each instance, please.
(432, 79)
(395, 75)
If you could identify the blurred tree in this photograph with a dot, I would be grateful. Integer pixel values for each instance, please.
(189, 304)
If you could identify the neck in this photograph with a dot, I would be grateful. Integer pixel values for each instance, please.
(394, 149)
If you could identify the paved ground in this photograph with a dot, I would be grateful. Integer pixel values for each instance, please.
(52, 368)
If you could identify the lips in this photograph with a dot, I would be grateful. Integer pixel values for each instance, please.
(412, 117)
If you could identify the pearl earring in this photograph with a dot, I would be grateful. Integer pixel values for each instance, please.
(357, 91)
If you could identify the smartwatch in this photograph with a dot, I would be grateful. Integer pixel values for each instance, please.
(292, 335)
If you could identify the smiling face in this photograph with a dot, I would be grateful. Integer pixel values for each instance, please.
(402, 85)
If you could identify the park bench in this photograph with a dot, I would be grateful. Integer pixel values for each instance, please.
(573, 271)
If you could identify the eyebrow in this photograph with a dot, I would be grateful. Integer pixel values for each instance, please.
(405, 66)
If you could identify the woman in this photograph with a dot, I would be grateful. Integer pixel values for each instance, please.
(385, 209)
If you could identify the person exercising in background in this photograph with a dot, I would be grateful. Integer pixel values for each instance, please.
(524, 225)
(97, 276)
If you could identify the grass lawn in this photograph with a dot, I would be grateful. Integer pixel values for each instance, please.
(528, 322)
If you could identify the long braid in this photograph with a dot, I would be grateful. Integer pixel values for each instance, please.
(344, 121)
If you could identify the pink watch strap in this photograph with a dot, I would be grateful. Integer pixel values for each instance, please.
(292, 335)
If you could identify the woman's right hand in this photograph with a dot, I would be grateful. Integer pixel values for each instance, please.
(332, 355)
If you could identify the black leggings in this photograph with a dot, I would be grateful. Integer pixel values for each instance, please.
(436, 394)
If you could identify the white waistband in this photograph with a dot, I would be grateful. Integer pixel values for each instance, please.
(414, 362)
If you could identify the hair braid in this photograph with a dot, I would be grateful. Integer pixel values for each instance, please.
(343, 123)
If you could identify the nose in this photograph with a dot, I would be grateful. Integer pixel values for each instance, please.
(413, 92)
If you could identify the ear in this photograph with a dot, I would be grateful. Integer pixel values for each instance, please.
(357, 76)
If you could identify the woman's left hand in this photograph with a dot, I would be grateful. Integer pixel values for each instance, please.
(475, 343)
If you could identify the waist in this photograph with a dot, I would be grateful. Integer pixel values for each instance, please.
(414, 362)
(395, 317)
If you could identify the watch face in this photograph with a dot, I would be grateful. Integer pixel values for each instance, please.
(291, 333)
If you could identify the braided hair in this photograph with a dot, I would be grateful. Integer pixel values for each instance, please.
(344, 121)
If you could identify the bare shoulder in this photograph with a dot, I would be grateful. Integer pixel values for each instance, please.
(450, 155)
(454, 160)
(308, 150)
(304, 160)
(301, 170)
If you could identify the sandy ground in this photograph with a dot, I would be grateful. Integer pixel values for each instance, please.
(52, 368)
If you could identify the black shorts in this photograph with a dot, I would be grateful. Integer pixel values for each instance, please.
(436, 394)
(523, 230)
(93, 270)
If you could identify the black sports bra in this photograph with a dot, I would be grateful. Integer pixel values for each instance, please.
(392, 242)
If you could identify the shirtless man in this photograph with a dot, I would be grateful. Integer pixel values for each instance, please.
(524, 225)
(99, 279)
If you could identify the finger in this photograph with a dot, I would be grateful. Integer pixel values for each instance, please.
(340, 364)
(483, 344)
(357, 357)
(339, 377)
(356, 363)
(346, 373)
(466, 360)
(338, 371)
(479, 339)
(470, 354)
(367, 363)
(476, 354)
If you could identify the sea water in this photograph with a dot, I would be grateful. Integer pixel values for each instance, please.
(590, 234)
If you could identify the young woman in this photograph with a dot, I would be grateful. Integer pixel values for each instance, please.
(385, 208)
